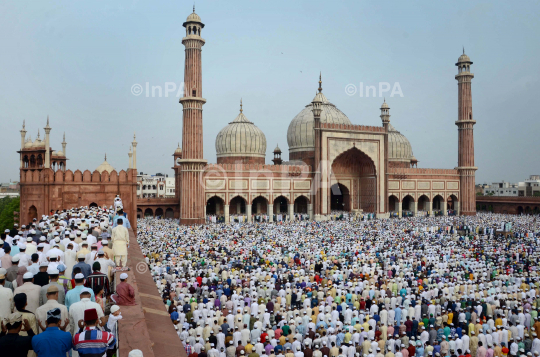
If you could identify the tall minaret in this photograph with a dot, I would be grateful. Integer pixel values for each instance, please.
(23, 137)
(47, 145)
(192, 202)
(317, 110)
(465, 125)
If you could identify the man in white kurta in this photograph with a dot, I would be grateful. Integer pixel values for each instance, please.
(6, 299)
(120, 239)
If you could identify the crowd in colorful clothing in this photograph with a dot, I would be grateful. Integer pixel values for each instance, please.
(408, 287)
(56, 287)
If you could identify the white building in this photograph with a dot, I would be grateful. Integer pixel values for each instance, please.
(501, 189)
(155, 186)
(530, 187)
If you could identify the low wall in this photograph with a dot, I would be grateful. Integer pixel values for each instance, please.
(147, 325)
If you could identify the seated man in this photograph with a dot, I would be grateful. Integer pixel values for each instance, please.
(125, 294)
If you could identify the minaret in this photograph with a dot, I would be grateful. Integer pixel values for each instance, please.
(465, 125)
(385, 117)
(130, 154)
(385, 114)
(47, 146)
(64, 145)
(134, 145)
(23, 137)
(317, 110)
(192, 202)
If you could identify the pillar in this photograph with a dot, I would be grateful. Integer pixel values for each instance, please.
(130, 155)
(430, 208)
(444, 208)
(271, 212)
(456, 206)
(248, 212)
(415, 208)
(226, 213)
(310, 210)
(400, 209)
(291, 211)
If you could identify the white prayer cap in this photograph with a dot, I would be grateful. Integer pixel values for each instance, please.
(135, 353)
(123, 276)
(28, 275)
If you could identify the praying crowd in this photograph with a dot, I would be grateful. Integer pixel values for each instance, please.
(408, 287)
(58, 296)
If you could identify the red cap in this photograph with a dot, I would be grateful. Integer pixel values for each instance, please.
(90, 314)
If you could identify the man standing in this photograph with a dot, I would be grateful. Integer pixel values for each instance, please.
(31, 290)
(12, 344)
(120, 239)
(73, 295)
(53, 276)
(54, 340)
(6, 299)
(97, 278)
(51, 304)
(77, 310)
(91, 341)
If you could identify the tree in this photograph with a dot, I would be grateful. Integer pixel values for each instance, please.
(6, 213)
(536, 193)
(479, 193)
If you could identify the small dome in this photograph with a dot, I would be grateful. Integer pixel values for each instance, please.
(301, 135)
(105, 166)
(385, 105)
(464, 58)
(193, 17)
(28, 143)
(60, 153)
(38, 143)
(277, 149)
(54, 153)
(241, 138)
(399, 147)
(178, 149)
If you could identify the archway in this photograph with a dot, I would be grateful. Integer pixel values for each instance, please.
(259, 205)
(301, 204)
(93, 205)
(280, 205)
(159, 212)
(527, 210)
(423, 203)
(520, 210)
(393, 203)
(32, 213)
(214, 206)
(407, 203)
(438, 203)
(148, 212)
(357, 168)
(169, 213)
(451, 202)
(139, 213)
(339, 198)
(237, 205)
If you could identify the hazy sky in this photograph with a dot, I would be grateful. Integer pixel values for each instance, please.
(77, 62)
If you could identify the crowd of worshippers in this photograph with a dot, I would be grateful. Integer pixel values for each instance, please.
(56, 288)
(410, 287)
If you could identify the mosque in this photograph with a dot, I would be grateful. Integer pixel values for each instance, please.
(334, 165)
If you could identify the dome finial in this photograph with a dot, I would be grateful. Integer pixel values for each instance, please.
(24, 124)
(320, 82)
(38, 133)
(194, 7)
(463, 49)
(241, 109)
(105, 156)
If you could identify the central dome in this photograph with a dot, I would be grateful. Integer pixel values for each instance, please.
(301, 135)
(241, 140)
(105, 166)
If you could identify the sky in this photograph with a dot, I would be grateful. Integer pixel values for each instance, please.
(77, 62)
